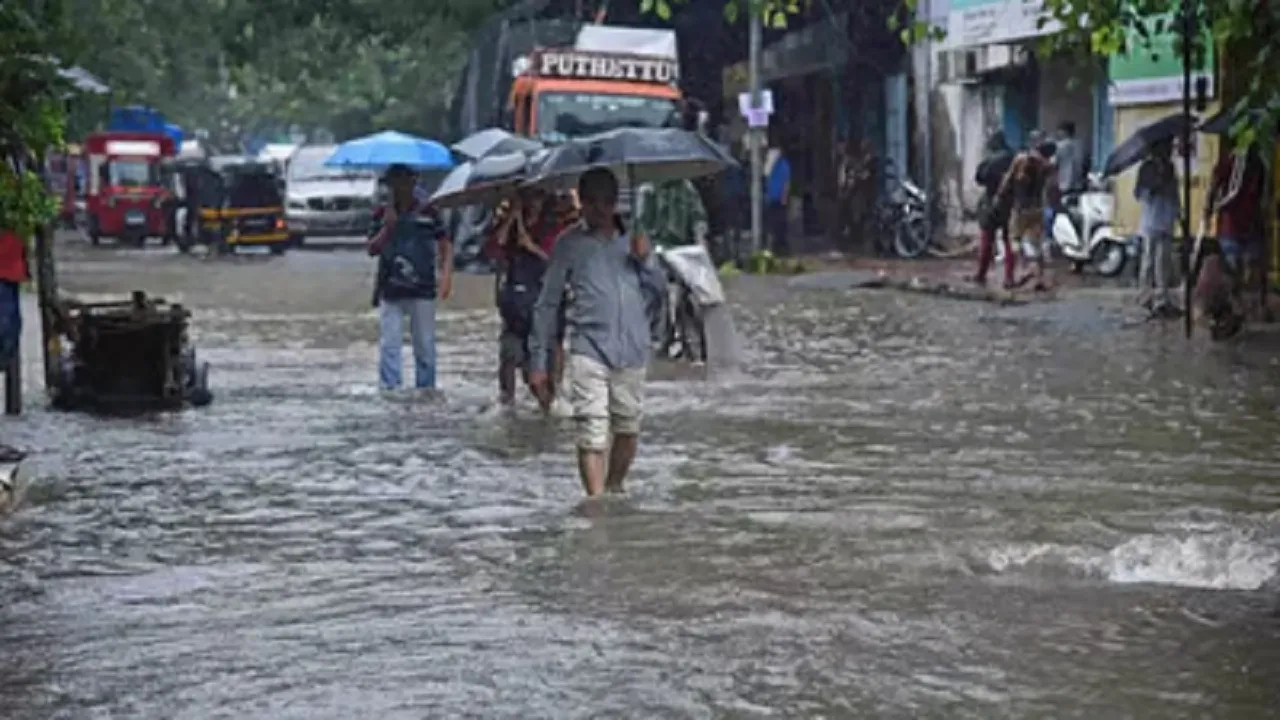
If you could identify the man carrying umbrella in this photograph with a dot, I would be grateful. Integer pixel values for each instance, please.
(1157, 191)
(606, 274)
(415, 265)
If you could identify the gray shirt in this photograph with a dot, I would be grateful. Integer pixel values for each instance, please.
(1161, 202)
(607, 315)
(1069, 158)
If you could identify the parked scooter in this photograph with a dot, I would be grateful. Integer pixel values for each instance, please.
(1084, 231)
(693, 286)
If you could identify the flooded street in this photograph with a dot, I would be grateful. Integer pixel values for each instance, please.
(903, 507)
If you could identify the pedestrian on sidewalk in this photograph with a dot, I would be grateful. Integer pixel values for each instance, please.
(1236, 195)
(611, 279)
(1157, 193)
(1026, 189)
(415, 266)
(993, 215)
(777, 198)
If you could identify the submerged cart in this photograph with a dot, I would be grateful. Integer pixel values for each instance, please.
(133, 355)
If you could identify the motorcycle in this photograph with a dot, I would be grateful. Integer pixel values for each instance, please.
(1084, 231)
(693, 286)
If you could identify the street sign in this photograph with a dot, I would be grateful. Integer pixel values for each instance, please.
(766, 102)
(756, 118)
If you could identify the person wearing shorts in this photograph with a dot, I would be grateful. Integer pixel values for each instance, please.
(608, 278)
(1024, 189)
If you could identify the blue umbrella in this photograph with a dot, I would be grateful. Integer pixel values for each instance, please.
(381, 151)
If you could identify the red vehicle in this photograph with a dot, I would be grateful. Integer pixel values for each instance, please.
(126, 195)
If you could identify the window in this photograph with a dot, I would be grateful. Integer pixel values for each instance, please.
(132, 173)
(309, 166)
(565, 115)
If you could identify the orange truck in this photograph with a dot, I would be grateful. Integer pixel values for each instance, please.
(611, 77)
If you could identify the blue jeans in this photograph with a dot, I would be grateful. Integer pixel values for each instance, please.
(422, 331)
(1236, 252)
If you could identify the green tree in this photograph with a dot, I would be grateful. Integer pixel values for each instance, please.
(32, 115)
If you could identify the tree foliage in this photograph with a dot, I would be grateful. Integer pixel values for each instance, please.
(236, 67)
(32, 113)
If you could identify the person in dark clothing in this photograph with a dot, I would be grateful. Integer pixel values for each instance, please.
(526, 238)
(993, 216)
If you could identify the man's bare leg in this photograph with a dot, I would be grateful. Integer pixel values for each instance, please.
(557, 365)
(621, 456)
(591, 469)
(507, 383)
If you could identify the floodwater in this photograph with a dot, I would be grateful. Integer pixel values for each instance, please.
(901, 507)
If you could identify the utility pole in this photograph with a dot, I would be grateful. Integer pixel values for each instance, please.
(1188, 34)
(928, 126)
(755, 8)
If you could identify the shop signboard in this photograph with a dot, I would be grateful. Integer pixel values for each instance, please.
(1151, 72)
(985, 22)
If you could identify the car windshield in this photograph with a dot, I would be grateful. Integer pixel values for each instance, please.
(132, 173)
(253, 189)
(310, 166)
(565, 115)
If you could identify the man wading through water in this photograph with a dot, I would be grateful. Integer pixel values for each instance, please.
(1025, 189)
(612, 280)
(409, 242)
(525, 239)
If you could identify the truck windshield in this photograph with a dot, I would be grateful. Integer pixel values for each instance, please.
(133, 173)
(565, 115)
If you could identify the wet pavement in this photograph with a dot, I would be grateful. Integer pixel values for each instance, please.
(904, 507)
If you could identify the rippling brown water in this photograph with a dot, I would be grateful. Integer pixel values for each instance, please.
(903, 507)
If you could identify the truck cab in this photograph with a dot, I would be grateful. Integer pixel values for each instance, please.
(612, 77)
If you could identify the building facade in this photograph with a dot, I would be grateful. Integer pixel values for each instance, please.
(1146, 85)
(985, 76)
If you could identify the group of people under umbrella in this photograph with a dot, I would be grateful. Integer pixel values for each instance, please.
(1020, 199)
(572, 265)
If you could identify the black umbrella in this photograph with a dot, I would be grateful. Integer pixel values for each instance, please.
(494, 141)
(1138, 146)
(1221, 123)
(486, 180)
(639, 155)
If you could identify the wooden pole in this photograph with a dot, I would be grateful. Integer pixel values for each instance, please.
(13, 383)
(47, 294)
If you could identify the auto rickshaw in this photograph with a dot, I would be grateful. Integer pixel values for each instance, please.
(230, 201)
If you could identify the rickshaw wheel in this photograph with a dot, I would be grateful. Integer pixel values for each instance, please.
(279, 248)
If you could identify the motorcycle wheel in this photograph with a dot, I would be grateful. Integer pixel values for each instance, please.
(691, 332)
(909, 239)
(1109, 258)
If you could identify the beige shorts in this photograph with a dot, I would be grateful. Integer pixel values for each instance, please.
(604, 401)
